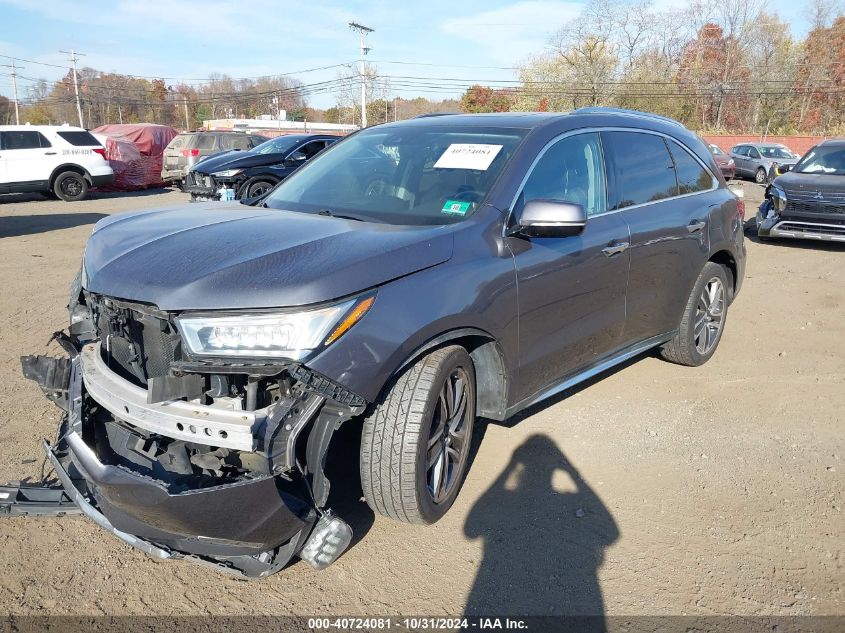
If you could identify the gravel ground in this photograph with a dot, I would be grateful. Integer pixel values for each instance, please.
(655, 489)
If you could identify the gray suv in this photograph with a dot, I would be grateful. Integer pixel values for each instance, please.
(411, 278)
(756, 160)
(189, 148)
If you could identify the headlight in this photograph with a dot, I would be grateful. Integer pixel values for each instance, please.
(731, 163)
(778, 198)
(291, 335)
(227, 173)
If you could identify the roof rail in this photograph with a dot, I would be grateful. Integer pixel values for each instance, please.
(603, 110)
(431, 114)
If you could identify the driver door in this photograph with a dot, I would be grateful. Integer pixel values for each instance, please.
(572, 289)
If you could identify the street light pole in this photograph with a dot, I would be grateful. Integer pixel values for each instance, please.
(14, 76)
(362, 32)
(73, 55)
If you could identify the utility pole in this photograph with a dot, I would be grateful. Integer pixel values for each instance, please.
(73, 56)
(14, 76)
(362, 32)
(185, 104)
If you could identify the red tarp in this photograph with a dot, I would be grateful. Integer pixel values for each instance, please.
(135, 151)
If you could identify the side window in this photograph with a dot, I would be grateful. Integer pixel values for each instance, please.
(24, 140)
(571, 171)
(310, 149)
(204, 141)
(642, 168)
(753, 153)
(739, 150)
(692, 176)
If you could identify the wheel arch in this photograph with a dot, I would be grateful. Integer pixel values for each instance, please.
(79, 169)
(727, 261)
(488, 360)
(271, 178)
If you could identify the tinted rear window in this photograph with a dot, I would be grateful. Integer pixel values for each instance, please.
(179, 141)
(24, 140)
(235, 141)
(79, 139)
(641, 166)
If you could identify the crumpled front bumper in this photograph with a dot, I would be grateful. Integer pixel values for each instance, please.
(251, 527)
(770, 224)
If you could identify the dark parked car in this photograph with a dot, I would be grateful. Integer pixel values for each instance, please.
(255, 172)
(723, 161)
(187, 149)
(502, 259)
(808, 201)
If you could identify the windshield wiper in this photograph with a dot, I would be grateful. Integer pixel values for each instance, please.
(332, 214)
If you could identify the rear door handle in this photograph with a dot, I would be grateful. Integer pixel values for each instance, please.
(696, 226)
(50, 153)
(615, 248)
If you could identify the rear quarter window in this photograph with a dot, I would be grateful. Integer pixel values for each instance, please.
(641, 168)
(79, 139)
(691, 175)
(204, 141)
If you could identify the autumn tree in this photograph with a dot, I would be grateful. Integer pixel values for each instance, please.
(484, 99)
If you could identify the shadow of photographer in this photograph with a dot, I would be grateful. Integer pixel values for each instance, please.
(544, 531)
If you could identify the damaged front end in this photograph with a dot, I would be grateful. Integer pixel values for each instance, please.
(219, 460)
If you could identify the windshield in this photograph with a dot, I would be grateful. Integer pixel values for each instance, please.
(402, 175)
(715, 149)
(776, 152)
(278, 145)
(823, 160)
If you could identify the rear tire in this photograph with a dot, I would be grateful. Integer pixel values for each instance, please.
(415, 443)
(703, 321)
(70, 186)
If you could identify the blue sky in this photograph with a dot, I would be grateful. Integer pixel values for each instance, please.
(247, 38)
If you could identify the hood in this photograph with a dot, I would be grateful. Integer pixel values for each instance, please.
(234, 159)
(230, 256)
(809, 184)
(722, 159)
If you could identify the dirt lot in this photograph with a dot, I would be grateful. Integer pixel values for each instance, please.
(716, 490)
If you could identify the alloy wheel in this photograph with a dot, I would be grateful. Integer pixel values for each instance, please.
(709, 316)
(447, 445)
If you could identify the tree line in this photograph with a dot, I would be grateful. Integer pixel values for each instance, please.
(717, 66)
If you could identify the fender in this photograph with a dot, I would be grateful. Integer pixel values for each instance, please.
(69, 167)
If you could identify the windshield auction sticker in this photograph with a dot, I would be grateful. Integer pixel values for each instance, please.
(468, 156)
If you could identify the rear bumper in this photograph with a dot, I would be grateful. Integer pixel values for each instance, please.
(102, 180)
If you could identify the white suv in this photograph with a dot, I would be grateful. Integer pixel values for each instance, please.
(57, 160)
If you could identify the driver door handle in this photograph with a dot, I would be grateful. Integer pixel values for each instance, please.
(695, 226)
(615, 248)
(50, 153)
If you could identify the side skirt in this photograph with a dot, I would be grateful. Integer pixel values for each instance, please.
(588, 373)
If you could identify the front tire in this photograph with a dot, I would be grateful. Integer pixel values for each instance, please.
(415, 443)
(760, 176)
(258, 188)
(703, 321)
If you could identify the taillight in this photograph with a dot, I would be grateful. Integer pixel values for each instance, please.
(101, 151)
(740, 205)
(190, 152)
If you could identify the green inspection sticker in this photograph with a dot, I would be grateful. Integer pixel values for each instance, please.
(455, 207)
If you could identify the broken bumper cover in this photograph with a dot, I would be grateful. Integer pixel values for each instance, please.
(773, 225)
(250, 527)
(241, 519)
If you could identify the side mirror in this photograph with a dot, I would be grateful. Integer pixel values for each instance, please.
(782, 169)
(297, 158)
(550, 218)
